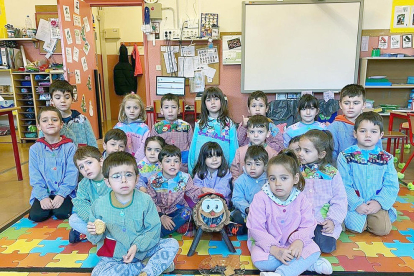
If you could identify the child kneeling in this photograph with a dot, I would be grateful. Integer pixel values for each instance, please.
(133, 227)
(281, 223)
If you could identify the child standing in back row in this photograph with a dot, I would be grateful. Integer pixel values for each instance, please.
(324, 187)
(214, 125)
(174, 131)
(308, 109)
(281, 223)
(257, 105)
(131, 118)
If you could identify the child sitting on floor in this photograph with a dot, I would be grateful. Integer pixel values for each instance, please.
(281, 223)
(370, 179)
(132, 226)
(88, 160)
(52, 173)
(168, 188)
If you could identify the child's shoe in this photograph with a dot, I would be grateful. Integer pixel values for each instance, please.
(75, 236)
(269, 274)
(321, 266)
(170, 268)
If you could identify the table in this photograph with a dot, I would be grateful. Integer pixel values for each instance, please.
(9, 113)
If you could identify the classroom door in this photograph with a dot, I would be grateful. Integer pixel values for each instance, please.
(78, 50)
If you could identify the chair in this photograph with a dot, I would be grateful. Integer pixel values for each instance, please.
(395, 135)
(157, 109)
(411, 139)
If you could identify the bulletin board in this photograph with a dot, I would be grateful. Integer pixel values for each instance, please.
(46, 16)
(300, 45)
(216, 79)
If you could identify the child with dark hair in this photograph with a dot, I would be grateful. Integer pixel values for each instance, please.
(88, 160)
(281, 223)
(52, 173)
(257, 131)
(115, 140)
(257, 105)
(214, 125)
(76, 126)
(294, 145)
(212, 171)
(324, 187)
(149, 165)
(168, 189)
(370, 179)
(174, 131)
(247, 185)
(308, 109)
(131, 225)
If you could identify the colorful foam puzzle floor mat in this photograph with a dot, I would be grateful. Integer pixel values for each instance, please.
(29, 248)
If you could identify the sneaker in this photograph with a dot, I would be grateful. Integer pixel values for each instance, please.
(75, 236)
(170, 268)
(321, 266)
(269, 274)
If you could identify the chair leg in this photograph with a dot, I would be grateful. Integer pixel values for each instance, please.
(402, 151)
(408, 162)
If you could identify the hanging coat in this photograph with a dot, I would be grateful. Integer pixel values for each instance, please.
(136, 61)
(124, 80)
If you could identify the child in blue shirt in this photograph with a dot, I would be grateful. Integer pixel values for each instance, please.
(115, 140)
(88, 160)
(214, 125)
(52, 173)
(247, 185)
(132, 226)
(370, 179)
(76, 125)
(308, 109)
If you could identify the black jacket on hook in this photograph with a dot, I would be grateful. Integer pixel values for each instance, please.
(124, 80)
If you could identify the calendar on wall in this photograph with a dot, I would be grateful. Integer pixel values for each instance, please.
(208, 22)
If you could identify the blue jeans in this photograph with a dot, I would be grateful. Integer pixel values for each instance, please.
(295, 267)
(161, 257)
(327, 244)
(78, 224)
(179, 217)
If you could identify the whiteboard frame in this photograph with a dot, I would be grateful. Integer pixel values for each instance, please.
(358, 46)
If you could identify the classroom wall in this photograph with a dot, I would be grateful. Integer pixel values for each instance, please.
(17, 10)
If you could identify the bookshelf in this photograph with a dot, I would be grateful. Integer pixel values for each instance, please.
(31, 93)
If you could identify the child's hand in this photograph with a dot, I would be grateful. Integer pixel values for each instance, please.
(167, 222)
(143, 189)
(296, 248)
(207, 190)
(282, 254)
(244, 121)
(57, 201)
(130, 254)
(46, 203)
(373, 207)
(362, 209)
(328, 226)
(91, 228)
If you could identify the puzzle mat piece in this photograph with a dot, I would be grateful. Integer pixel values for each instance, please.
(184, 262)
(36, 260)
(365, 236)
(247, 262)
(68, 260)
(12, 233)
(64, 225)
(358, 263)
(401, 249)
(90, 262)
(409, 214)
(220, 248)
(401, 200)
(403, 225)
(395, 235)
(409, 262)
(408, 198)
(403, 206)
(59, 233)
(4, 243)
(37, 233)
(345, 236)
(83, 247)
(347, 249)
(21, 246)
(202, 247)
(9, 260)
(373, 248)
(401, 217)
(24, 223)
(387, 264)
(48, 246)
(50, 223)
(244, 249)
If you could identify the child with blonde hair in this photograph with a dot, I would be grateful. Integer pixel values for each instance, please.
(131, 119)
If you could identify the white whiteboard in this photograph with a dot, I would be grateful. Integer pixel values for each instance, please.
(303, 45)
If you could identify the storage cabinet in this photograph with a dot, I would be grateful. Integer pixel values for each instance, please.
(396, 70)
(31, 93)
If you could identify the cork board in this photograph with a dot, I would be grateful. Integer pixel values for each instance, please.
(216, 79)
(46, 16)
